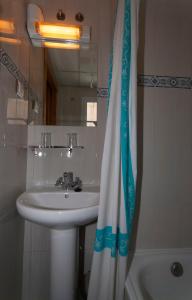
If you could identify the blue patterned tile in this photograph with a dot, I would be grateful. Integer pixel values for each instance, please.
(102, 92)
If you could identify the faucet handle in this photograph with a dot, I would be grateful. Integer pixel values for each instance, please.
(77, 180)
(68, 176)
(77, 185)
(59, 181)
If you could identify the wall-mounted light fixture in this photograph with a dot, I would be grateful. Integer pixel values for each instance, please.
(7, 27)
(7, 32)
(52, 34)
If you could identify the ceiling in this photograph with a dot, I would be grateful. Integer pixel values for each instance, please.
(74, 67)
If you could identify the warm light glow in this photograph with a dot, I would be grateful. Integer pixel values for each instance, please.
(58, 31)
(70, 46)
(10, 41)
(7, 27)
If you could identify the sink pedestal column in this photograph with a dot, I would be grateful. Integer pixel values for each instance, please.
(63, 263)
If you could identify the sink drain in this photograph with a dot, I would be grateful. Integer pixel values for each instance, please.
(177, 269)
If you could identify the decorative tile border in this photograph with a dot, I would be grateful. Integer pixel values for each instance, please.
(165, 81)
(143, 80)
(16, 73)
(102, 92)
(156, 81)
(12, 68)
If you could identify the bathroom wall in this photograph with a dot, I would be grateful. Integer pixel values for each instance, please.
(84, 163)
(13, 158)
(16, 57)
(165, 125)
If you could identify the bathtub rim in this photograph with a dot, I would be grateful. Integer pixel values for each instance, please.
(131, 288)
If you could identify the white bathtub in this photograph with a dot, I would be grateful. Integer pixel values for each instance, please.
(150, 276)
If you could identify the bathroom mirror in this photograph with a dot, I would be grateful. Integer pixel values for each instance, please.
(63, 88)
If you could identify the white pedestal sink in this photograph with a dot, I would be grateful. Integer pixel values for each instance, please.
(63, 213)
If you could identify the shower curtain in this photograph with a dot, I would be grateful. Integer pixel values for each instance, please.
(119, 169)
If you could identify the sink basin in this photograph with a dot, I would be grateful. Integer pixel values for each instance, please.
(59, 209)
(62, 212)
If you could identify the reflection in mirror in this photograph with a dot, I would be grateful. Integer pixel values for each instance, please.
(69, 96)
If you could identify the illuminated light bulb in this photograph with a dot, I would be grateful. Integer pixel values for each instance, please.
(71, 46)
(58, 31)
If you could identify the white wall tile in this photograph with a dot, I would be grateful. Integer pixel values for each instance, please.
(84, 163)
(167, 170)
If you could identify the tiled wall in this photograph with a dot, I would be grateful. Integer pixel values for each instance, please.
(165, 123)
(84, 163)
(13, 160)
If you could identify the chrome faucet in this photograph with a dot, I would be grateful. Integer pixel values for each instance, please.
(67, 180)
(67, 183)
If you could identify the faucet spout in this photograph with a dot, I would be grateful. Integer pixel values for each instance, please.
(66, 182)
